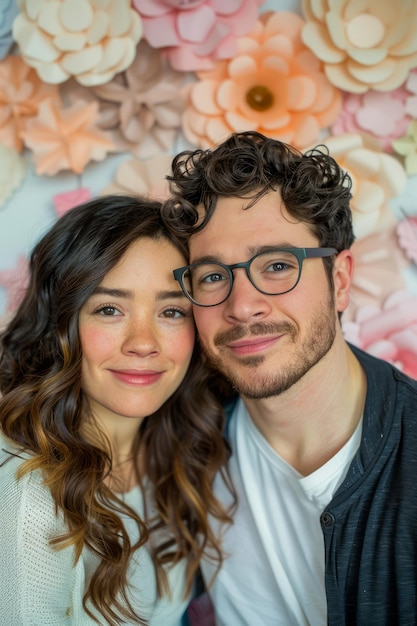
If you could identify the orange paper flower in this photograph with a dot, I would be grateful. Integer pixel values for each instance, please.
(274, 85)
(83, 38)
(21, 93)
(67, 138)
(363, 45)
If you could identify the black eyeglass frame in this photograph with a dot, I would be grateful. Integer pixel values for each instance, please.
(299, 253)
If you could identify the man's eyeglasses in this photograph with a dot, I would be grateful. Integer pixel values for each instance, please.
(273, 273)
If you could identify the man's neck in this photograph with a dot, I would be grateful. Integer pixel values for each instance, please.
(310, 422)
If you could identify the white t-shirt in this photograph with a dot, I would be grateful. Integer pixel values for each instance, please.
(274, 572)
(40, 586)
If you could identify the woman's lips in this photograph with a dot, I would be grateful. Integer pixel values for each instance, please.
(137, 377)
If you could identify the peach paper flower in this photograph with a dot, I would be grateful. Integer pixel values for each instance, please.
(15, 281)
(383, 115)
(67, 138)
(274, 85)
(379, 265)
(195, 34)
(87, 39)
(363, 45)
(143, 178)
(388, 332)
(13, 168)
(143, 105)
(21, 93)
(377, 178)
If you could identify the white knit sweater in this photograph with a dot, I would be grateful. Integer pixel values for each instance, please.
(41, 586)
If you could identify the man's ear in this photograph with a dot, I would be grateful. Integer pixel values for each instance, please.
(342, 276)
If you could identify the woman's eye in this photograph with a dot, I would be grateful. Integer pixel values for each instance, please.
(108, 311)
(174, 313)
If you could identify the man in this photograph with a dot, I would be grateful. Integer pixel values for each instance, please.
(324, 436)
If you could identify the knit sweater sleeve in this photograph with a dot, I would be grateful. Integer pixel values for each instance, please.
(37, 581)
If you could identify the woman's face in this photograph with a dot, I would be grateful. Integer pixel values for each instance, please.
(137, 334)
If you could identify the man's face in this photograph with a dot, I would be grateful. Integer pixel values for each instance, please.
(263, 344)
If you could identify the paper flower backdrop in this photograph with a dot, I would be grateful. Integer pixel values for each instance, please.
(363, 45)
(144, 178)
(13, 169)
(83, 38)
(273, 85)
(195, 34)
(8, 11)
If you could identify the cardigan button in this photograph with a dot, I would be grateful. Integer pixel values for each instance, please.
(327, 519)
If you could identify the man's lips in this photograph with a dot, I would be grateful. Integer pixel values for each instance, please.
(252, 346)
(137, 377)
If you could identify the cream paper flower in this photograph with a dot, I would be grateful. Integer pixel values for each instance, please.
(13, 168)
(364, 44)
(89, 39)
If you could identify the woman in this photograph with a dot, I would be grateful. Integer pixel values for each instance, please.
(110, 437)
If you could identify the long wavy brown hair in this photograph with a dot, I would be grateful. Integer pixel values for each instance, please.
(43, 406)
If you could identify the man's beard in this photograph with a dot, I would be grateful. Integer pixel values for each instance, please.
(255, 385)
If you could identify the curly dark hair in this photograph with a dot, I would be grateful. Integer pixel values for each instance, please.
(313, 187)
(43, 404)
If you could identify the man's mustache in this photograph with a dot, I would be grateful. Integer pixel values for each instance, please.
(255, 330)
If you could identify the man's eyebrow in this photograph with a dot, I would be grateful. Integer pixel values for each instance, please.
(163, 294)
(252, 251)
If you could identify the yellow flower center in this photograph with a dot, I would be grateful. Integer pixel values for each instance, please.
(260, 98)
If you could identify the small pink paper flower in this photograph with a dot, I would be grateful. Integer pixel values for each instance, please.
(388, 332)
(89, 40)
(363, 45)
(380, 114)
(379, 266)
(407, 237)
(21, 93)
(64, 202)
(273, 85)
(142, 178)
(62, 139)
(197, 33)
(15, 281)
(377, 177)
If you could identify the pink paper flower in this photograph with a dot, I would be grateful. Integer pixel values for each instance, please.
(363, 45)
(377, 177)
(388, 332)
(407, 237)
(15, 281)
(89, 40)
(273, 85)
(380, 114)
(21, 93)
(379, 265)
(142, 178)
(62, 139)
(63, 202)
(196, 33)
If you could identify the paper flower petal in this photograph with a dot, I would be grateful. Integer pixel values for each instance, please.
(65, 138)
(143, 178)
(407, 147)
(274, 84)
(63, 202)
(407, 237)
(89, 40)
(13, 168)
(363, 45)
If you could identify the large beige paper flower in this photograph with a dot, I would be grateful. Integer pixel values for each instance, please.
(142, 178)
(274, 85)
(364, 44)
(377, 178)
(62, 139)
(89, 39)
